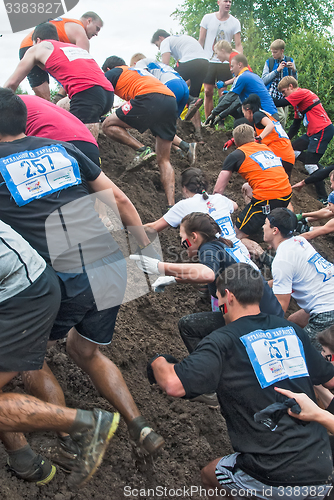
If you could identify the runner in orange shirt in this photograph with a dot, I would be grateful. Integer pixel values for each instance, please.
(269, 131)
(265, 174)
(149, 105)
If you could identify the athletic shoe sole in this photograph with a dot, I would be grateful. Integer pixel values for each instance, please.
(192, 110)
(48, 478)
(136, 165)
(76, 479)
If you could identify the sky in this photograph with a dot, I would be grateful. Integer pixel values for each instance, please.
(128, 28)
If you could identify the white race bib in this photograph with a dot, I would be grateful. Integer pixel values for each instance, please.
(37, 173)
(322, 266)
(266, 159)
(74, 52)
(275, 355)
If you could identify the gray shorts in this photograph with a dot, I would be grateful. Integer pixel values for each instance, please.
(240, 485)
(317, 323)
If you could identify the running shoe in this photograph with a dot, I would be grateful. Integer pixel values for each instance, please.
(93, 444)
(66, 453)
(40, 471)
(144, 436)
(142, 158)
(210, 400)
(193, 107)
(191, 154)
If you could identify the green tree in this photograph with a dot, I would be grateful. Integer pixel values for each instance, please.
(275, 18)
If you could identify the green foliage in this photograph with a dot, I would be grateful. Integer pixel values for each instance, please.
(20, 91)
(275, 18)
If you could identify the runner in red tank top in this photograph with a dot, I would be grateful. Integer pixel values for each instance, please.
(78, 32)
(90, 92)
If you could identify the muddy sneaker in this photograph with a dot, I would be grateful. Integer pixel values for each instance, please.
(92, 445)
(142, 158)
(66, 453)
(193, 107)
(210, 400)
(40, 471)
(191, 154)
(144, 436)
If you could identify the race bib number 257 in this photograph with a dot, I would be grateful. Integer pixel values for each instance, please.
(34, 174)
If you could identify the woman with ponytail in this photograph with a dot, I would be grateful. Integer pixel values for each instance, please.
(194, 189)
(269, 131)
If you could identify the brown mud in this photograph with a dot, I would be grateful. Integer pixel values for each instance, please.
(194, 434)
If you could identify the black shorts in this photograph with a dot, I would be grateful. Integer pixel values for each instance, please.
(90, 104)
(80, 306)
(253, 216)
(25, 324)
(36, 76)
(157, 112)
(194, 71)
(218, 71)
(316, 143)
(89, 149)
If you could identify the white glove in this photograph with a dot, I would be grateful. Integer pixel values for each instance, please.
(160, 283)
(146, 264)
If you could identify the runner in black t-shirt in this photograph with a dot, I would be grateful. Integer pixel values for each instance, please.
(243, 362)
(44, 188)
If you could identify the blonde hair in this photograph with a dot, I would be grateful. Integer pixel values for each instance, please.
(136, 57)
(242, 134)
(277, 44)
(223, 45)
(286, 81)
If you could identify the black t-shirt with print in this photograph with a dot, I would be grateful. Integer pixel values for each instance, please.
(74, 232)
(292, 454)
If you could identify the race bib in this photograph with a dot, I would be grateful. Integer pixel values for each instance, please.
(239, 255)
(225, 225)
(266, 159)
(322, 266)
(74, 52)
(37, 173)
(275, 355)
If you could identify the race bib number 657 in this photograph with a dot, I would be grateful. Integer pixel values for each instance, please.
(34, 174)
(275, 355)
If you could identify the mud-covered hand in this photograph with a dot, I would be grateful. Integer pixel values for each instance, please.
(150, 373)
(146, 264)
(210, 119)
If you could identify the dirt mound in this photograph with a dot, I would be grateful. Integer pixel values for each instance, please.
(194, 434)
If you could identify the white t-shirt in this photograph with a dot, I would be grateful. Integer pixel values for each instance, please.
(300, 270)
(161, 71)
(218, 30)
(183, 48)
(217, 205)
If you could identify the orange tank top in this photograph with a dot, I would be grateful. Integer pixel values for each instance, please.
(131, 83)
(263, 171)
(278, 140)
(59, 23)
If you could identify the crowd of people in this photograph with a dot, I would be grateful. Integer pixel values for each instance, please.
(62, 267)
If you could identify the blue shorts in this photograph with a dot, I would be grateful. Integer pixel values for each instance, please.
(180, 89)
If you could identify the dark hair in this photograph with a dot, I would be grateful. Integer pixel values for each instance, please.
(111, 62)
(205, 225)
(284, 220)
(244, 281)
(194, 179)
(158, 33)
(326, 338)
(91, 15)
(45, 31)
(240, 58)
(253, 102)
(13, 113)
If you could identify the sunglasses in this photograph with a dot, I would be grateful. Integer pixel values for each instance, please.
(329, 357)
(185, 244)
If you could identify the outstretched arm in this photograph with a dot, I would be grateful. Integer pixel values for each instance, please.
(222, 181)
(23, 68)
(128, 213)
(320, 230)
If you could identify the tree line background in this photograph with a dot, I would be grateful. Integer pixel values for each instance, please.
(304, 25)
